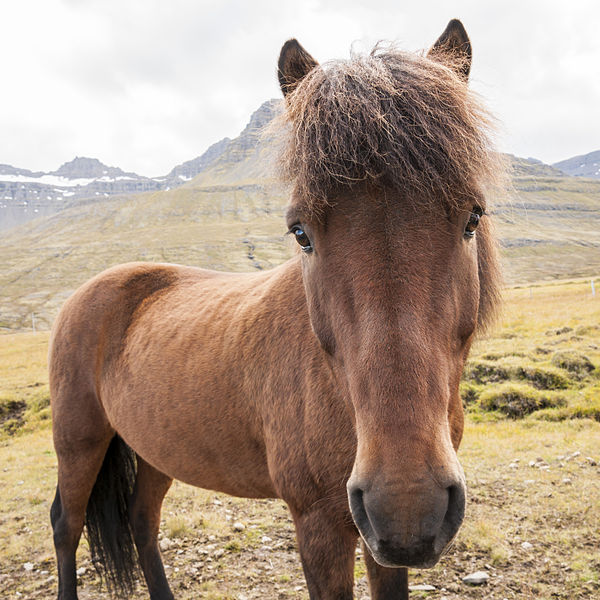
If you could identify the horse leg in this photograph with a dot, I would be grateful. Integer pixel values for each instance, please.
(78, 467)
(327, 552)
(385, 583)
(150, 489)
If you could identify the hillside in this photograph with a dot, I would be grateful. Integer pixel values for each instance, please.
(26, 195)
(584, 165)
(229, 216)
(550, 228)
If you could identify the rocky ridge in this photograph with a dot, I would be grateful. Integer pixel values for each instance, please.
(26, 195)
(584, 165)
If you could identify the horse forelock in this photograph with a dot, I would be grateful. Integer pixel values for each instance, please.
(393, 119)
(400, 122)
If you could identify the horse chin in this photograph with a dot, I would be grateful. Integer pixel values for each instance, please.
(421, 556)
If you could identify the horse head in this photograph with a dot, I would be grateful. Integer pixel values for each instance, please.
(390, 160)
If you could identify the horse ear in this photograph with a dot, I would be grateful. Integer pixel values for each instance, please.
(454, 43)
(294, 63)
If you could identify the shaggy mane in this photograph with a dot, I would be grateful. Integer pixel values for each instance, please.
(397, 121)
(393, 119)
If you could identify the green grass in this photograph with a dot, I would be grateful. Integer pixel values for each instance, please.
(24, 393)
(530, 367)
(517, 400)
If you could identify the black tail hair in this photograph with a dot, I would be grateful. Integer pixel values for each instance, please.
(107, 522)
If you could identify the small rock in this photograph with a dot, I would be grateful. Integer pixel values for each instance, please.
(81, 571)
(217, 502)
(44, 572)
(237, 526)
(477, 578)
(590, 460)
(219, 553)
(28, 566)
(567, 481)
(526, 546)
(165, 544)
(298, 588)
(242, 597)
(266, 539)
(532, 463)
(422, 587)
(212, 538)
(513, 465)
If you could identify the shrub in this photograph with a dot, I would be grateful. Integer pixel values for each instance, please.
(515, 367)
(9, 407)
(569, 412)
(543, 378)
(482, 371)
(587, 329)
(499, 355)
(517, 400)
(559, 331)
(469, 393)
(573, 361)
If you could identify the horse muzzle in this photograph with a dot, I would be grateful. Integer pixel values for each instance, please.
(407, 530)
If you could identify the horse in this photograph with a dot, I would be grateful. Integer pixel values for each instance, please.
(330, 381)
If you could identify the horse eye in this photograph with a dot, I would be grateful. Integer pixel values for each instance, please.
(301, 238)
(473, 221)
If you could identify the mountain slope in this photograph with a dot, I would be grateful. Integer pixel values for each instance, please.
(25, 195)
(584, 165)
(230, 216)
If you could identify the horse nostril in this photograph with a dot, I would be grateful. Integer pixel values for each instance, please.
(358, 509)
(456, 508)
(355, 497)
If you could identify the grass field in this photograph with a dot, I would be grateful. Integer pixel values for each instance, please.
(531, 452)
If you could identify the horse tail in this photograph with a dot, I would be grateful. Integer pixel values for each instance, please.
(109, 531)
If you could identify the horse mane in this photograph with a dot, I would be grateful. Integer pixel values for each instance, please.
(397, 121)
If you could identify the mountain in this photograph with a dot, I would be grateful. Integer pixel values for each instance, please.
(189, 169)
(230, 216)
(25, 195)
(250, 157)
(584, 165)
(532, 167)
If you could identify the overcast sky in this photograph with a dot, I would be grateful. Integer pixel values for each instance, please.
(147, 84)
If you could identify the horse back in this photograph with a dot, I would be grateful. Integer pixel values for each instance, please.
(91, 328)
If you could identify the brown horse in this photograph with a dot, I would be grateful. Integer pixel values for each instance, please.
(330, 381)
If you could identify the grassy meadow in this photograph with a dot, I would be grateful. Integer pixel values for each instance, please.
(531, 450)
